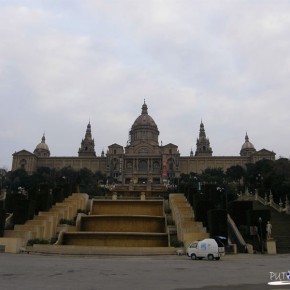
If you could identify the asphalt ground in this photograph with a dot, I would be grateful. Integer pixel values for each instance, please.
(40, 272)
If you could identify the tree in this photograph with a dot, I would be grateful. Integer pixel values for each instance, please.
(280, 179)
(16, 179)
(235, 173)
(213, 176)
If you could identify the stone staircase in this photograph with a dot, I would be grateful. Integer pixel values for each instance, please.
(188, 230)
(43, 226)
(281, 231)
(280, 228)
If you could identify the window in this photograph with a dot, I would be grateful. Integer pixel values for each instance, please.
(171, 164)
(23, 163)
(142, 165)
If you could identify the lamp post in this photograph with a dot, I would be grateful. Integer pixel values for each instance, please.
(223, 189)
(261, 235)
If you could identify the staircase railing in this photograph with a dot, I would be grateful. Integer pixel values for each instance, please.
(235, 235)
(267, 201)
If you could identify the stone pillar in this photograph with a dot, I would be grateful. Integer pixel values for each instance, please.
(271, 247)
(143, 196)
(114, 196)
(271, 198)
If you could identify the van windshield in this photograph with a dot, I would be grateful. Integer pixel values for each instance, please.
(194, 245)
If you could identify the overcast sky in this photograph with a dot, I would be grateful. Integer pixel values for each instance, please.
(63, 63)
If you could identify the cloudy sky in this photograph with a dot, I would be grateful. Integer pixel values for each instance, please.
(63, 63)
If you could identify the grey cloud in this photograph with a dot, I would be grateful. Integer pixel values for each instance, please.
(225, 62)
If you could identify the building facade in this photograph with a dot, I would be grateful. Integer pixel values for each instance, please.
(143, 160)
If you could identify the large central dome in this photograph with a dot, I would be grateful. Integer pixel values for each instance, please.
(144, 129)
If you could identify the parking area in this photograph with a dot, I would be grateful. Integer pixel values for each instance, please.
(243, 271)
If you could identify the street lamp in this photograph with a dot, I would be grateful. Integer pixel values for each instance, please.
(223, 189)
(198, 184)
(261, 236)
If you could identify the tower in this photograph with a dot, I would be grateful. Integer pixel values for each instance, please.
(88, 144)
(202, 143)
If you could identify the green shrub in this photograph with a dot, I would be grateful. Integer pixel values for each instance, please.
(67, 222)
(177, 244)
(82, 211)
(37, 241)
(170, 222)
(168, 210)
(53, 240)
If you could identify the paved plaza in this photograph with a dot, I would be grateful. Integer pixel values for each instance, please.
(40, 272)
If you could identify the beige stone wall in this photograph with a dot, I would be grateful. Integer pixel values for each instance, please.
(31, 162)
(187, 164)
(127, 207)
(116, 239)
(198, 164)
(146, 224)
(12, 245)
(92, 163)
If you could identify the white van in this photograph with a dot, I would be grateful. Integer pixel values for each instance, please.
(207, 248)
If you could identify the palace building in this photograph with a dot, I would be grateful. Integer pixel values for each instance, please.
(143, 160)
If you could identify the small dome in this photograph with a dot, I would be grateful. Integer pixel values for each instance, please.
(247, 144)
(247, 148)
(42, 145)
(42, 148)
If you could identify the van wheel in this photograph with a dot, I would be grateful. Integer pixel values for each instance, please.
(210, 257)
(193, 257)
